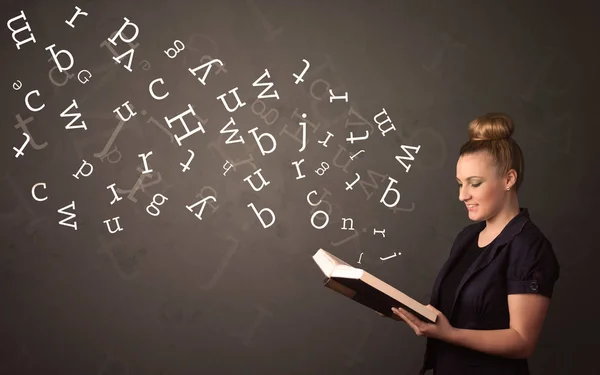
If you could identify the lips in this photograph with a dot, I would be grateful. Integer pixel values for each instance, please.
(471, 207)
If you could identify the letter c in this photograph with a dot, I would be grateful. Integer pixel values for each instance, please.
(152, 90)
(308, 198)
(29, 105)
(33, 192)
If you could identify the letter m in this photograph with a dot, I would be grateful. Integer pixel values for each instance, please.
(9, 24)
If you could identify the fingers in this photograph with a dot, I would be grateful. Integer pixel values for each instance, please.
(409, 319)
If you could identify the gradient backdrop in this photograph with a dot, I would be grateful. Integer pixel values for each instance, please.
(175, 291)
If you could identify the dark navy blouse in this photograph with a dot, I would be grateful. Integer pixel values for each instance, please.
(519, 260)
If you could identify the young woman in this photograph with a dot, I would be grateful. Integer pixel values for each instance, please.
(493, 292)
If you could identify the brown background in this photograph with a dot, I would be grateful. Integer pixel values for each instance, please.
(172, 294)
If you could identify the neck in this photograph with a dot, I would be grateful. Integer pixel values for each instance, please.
(509, 210)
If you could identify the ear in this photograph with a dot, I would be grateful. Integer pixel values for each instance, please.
(511, 177)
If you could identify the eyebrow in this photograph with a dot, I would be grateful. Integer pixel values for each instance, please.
(469, 178)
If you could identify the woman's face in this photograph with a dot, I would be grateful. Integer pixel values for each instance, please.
(479, 187)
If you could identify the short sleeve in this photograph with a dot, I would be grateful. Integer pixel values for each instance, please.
(533, 267)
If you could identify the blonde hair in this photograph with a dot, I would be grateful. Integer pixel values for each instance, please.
(492, 134)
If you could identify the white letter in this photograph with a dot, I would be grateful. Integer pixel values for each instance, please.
(203, 202)
(251, 205)
(152, 90)
(299, 77)
(382, 200)
(380, 123)
(75, 115)
(130, 52)
(225, 165)
(116, 197)
(107, 222)
(175, 52)
(15, 32)
(118, 111)
(33, 192)
(80, 171)
(351, 223)
(409, 157)
(55, 57)
(333, 97)
(207, 65)
(29, 105)
(144, 156)
(308, 200)
(186, 166)
(237, 98)
(257, 138)
(154, 202)
(314, 215)
(264, 183)
(297, 164)
(268, 86)
(78, 12)
(180, 118)
(20, 150)
(382, 232)
(232, 131)
(352, 138)
(119, 34)
(70, 216)
(86, 79)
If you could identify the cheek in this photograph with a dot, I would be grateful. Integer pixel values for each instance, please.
(488, 195)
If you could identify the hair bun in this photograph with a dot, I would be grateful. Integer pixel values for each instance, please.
(491, 126)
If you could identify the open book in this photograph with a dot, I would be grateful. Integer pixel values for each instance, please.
(366, 289)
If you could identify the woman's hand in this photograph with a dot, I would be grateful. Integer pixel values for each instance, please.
(394, 317)
(441, 330)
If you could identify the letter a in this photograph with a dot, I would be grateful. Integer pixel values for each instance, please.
(69, 216)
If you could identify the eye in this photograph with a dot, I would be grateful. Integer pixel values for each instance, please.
(477, 184)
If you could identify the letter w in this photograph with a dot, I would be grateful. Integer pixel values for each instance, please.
(409, 157)
(232, 131)
(69, 216)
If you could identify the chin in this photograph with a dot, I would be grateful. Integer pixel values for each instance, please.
(475, 216)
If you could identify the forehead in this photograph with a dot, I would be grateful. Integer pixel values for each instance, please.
(478, 164)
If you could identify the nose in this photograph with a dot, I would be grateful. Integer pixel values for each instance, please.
(463, 194)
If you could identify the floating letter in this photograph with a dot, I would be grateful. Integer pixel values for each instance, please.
(69, 216)
(299, 77)
(237, 98)
(15, 32)
(269, 211)
(77, 13)
(202, 201)
(33, 192)
(107, 222)
(268, 87)
(80, 171)
(75, 116)
(207, 65)
(150, 88)
(180, 118)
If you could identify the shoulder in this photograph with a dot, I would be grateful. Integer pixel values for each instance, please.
(530, 241)
(532, 262)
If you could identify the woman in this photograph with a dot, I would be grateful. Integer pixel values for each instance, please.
(493, 292)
